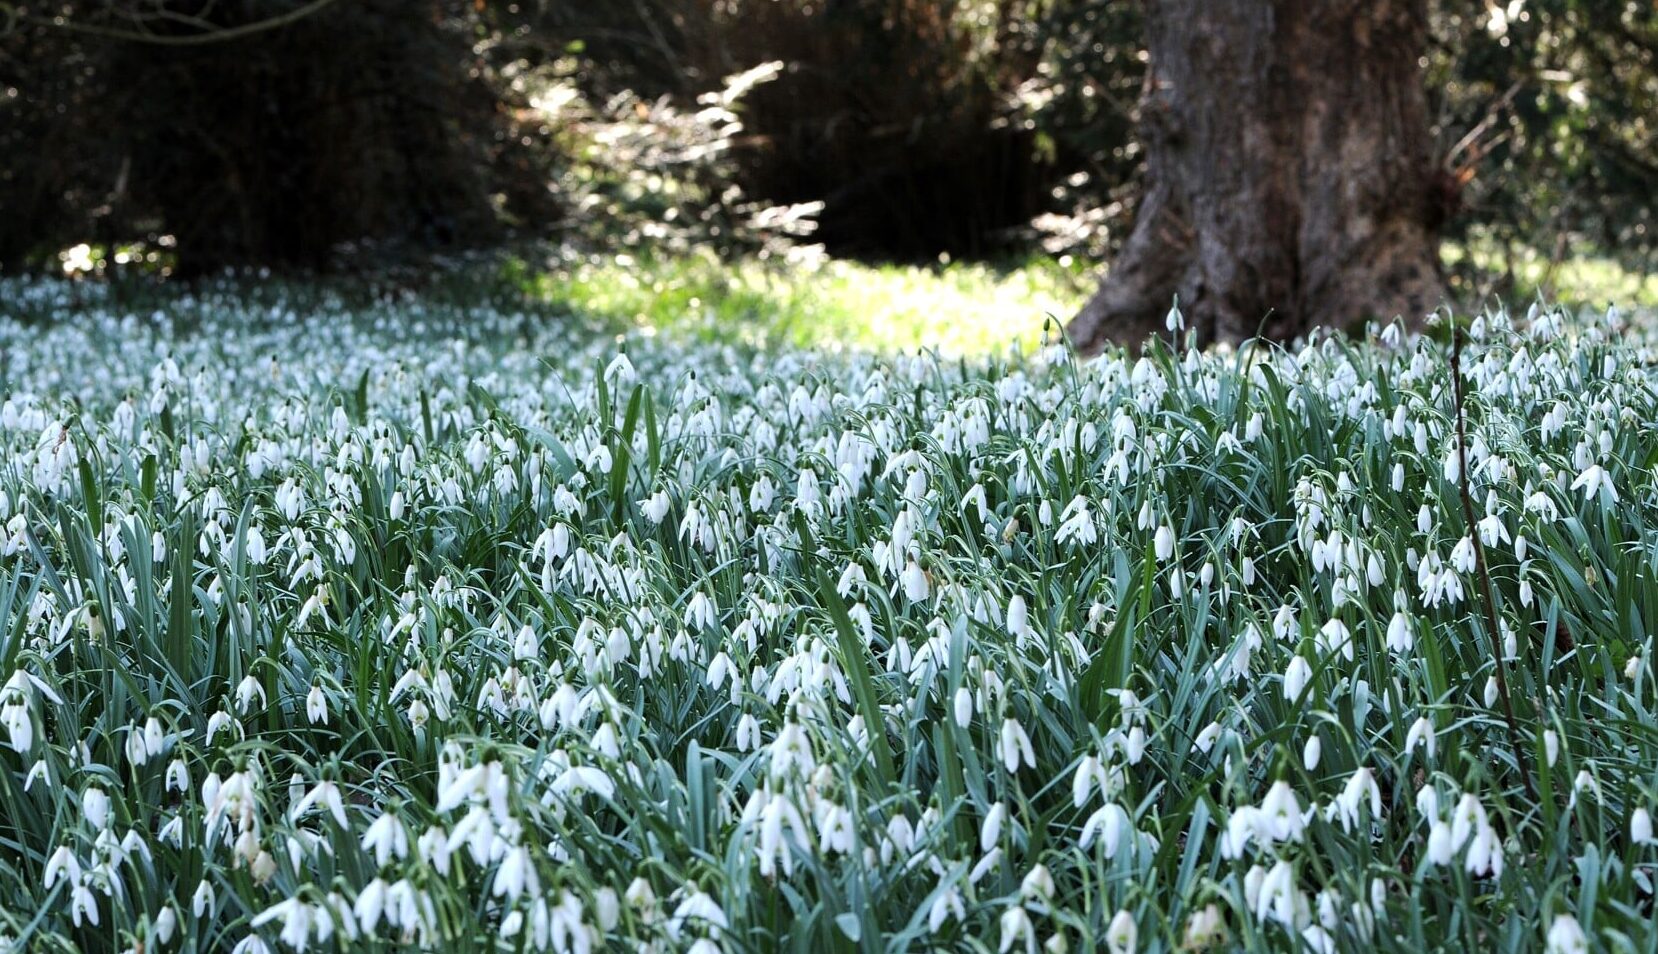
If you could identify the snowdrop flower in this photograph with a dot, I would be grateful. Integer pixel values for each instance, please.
(655, 507)
(83, 905)
(324, 794)
(1485, 852)
(1163, 544)
(1017, 927)
(944, 907)
(1037, 886)
(62, 864)
(1453, 466)
(177, 777)
(370, 904)
(1334, 637)
(1109, 824)
(1640, 827)
(297, 919)
(1077, 524)
(19, 725)
(1205, 928)
(387, 839)
(851, 578)
(748, 733)
(1121, 937)
(1296, 678)
(1543, 505)
(700, 612)
(916, 587)
(1089, 775)
(1284, 624)
(95, 808)
(1421, 733)
(990, 862)
(1492, 530)
(1566, 936)
(1361, 786)
(1278, 897)
(137, 754)
(1280, 815)
(1442, 845)
(1585, 782)
(526, 645)
(1206, 738)
(245, 692)
(1015, 745)
(1400, 639)
(991, 831)
(1595, 481)
(1463, 555)
(1018, 623)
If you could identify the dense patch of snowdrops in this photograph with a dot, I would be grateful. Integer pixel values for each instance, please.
(408, 624)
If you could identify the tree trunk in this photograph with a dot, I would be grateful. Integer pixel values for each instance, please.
(1291, 181)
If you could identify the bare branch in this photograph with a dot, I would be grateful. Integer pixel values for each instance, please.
(217, 35)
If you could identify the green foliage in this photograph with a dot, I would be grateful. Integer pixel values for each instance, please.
(1546, 107)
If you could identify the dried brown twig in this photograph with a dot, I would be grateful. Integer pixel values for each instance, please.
(1488, 600)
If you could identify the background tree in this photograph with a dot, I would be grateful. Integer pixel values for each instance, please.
(1290, 175)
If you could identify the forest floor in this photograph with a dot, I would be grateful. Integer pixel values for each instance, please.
(957, 308)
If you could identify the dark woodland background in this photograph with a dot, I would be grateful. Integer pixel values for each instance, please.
(282, 133)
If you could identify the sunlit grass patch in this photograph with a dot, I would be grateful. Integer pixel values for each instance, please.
(957, 308)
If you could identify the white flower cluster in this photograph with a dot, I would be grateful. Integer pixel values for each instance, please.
(327, 623)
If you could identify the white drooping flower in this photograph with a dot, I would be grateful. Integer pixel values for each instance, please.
(1361, 788)
(916, 586)
(1109, 827)
(1296, 677)
(1017, 930)
(1400, 639)
(1015, 745)
(1163, 544)
(1121, 936)
(1640, 827)
(95, 808)
(1018, 620)
(1596, 482)
(1566, 936)
(990, 832)
(1421, 733)
(326, 795)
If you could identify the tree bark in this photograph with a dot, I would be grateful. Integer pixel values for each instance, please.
(1291, 181)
